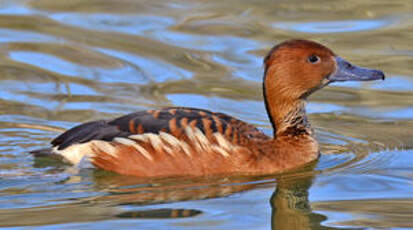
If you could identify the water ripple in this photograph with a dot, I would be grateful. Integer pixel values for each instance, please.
(334, 26)
(66, 62)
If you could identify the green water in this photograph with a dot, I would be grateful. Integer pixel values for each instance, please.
(67, 62)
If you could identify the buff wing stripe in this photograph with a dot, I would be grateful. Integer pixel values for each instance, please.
(163, 154)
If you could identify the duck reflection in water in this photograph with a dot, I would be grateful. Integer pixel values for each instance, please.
(291, 209)
(290, 205)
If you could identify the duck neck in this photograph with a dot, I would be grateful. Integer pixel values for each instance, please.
(293, 143)
(288, 117)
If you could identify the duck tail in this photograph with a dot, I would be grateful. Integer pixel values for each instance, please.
(44, 152)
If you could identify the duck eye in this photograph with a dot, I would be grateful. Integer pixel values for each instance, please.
(313, 59)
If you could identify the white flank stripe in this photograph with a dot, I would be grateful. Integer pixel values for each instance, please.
(106, 147)
(135, 145)
(155, 141)
(202, 139)
(139, 137)
(124, 141)
(194, 140)
(175, 142)
(143, 151)
(220, 150)
(185, 147)
(168, 150)
(170, 139)
(222, 141)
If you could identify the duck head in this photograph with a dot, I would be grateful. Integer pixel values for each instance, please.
(294, 69)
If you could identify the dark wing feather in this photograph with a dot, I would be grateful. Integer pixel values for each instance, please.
(151, 121)
(95, 130)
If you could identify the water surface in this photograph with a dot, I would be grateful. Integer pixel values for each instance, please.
(67, 62)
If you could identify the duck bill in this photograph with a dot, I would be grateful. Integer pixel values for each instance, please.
(346, 71)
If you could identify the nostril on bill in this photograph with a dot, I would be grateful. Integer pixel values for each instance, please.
(349, 66)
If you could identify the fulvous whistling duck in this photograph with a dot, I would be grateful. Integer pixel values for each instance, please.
(181, 141)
